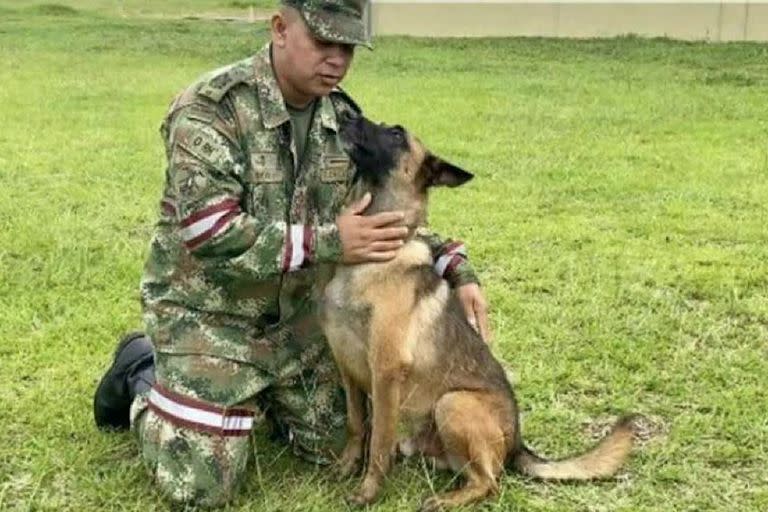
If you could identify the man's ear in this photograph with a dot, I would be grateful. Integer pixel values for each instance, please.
(279, 27)
(442, 173)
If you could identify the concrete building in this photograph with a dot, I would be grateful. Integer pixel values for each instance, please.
(708, 20)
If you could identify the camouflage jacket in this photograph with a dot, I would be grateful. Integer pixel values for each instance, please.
(241, 227)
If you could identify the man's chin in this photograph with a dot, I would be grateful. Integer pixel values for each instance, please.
(323, 91)
(329, 83)
(321, 88)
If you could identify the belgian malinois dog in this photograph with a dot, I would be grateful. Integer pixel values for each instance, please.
(400, 336)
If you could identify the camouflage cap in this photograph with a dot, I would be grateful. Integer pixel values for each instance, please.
(338, 21)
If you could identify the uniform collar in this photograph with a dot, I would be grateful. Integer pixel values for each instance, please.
(327, 114)
(273, 111)
(271, 102)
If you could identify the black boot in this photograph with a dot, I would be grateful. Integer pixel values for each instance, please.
(132, 372)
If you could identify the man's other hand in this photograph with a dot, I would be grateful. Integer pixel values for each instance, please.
(369, 238)
(475, 308)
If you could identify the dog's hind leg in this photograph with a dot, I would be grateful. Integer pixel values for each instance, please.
(473, 436)
(426, 443)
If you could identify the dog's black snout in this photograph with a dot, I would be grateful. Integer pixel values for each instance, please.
(350, 123)
(347, 116)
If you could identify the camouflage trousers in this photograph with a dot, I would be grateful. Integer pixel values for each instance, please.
(194, 426)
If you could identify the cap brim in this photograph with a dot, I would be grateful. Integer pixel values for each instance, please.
(337, 28)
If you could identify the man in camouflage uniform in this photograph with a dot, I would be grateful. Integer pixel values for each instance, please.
(253, 202)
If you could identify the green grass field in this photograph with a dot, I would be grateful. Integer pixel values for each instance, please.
(618, 221)
(140, 8)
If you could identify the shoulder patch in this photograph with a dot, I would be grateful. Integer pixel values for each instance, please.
(340, 96)
(203, 146)
(219, 82)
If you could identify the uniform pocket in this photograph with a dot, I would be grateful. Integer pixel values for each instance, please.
(266, 188)
(264, 169)
(335, 177)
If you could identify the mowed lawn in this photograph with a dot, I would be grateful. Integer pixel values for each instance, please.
(618, 220)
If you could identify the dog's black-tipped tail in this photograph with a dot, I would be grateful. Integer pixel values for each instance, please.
(602, 461)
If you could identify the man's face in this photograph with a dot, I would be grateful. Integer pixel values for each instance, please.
(314, 67)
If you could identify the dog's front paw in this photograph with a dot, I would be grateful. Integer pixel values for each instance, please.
(433, 504)
(359, 499)
(348, 467)
(350, 461)
(365, 495)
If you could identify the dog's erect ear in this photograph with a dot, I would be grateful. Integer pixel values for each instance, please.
(442, 173)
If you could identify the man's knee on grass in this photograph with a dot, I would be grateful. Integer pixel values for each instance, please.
(190, 466)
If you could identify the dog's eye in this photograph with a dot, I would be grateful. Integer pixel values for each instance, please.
(398, 133)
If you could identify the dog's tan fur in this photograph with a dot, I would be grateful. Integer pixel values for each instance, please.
(400, 337)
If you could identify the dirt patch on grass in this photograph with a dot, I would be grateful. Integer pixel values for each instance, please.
(55, 10)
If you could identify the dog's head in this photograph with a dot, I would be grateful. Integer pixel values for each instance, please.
(395, 167)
